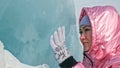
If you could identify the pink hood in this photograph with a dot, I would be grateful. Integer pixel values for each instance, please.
(105, 23)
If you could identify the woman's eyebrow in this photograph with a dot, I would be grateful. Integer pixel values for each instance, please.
(84, 27)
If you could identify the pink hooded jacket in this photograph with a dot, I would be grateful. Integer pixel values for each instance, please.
(105, 49)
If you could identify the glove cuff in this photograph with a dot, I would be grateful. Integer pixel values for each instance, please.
(68, 63)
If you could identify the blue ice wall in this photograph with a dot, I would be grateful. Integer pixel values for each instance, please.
(26, 26)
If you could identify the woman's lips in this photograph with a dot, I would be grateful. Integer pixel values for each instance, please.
(84, 43)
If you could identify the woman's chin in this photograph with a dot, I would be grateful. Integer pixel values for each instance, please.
(86, 50)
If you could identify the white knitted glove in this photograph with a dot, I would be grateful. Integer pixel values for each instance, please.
(58, 45)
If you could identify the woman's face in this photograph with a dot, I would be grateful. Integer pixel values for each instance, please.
(86, 37)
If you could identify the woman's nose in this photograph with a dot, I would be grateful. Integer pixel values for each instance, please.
(82, 37)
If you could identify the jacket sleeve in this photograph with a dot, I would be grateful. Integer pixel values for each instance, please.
(71, 63)
(114, 62)
(117, 65)
(78, 65)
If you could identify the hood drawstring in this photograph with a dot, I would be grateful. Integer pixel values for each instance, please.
(88, 58)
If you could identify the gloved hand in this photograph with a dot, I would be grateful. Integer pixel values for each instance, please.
(58, 45)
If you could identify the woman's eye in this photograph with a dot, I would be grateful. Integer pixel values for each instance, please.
(87, 29)
(80, 32)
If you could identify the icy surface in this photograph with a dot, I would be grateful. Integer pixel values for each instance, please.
(26, 26)
(7, 60)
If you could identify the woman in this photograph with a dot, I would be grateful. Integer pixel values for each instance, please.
(100, 36)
